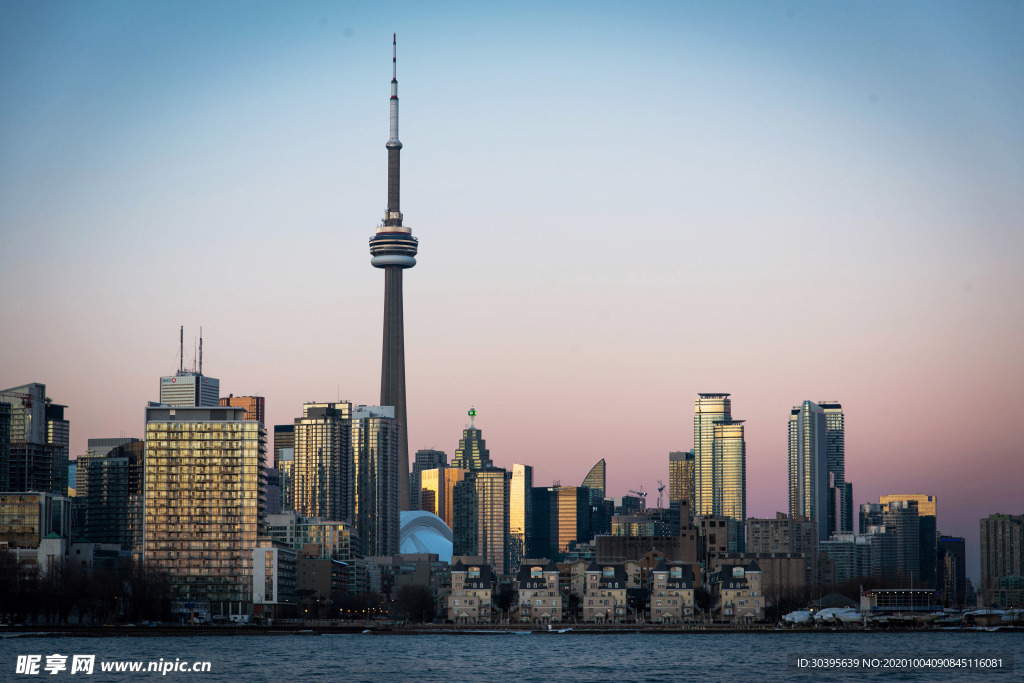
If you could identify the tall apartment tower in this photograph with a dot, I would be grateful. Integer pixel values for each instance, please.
(481, 517)
(322, 469)
(204, 502)
(376, 439)
(1002, 551)
(720, 459)
(808, 467)
(841, 520)
(472, 453)
(520, 516)
(38, 441)
(680, 477)
(393, 248)
(426, 459)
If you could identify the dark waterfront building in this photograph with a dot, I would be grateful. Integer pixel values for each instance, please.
(1002, 551)
(394, 249)
(39, 441)
(5, 444)
(284, 437)
(951, 567)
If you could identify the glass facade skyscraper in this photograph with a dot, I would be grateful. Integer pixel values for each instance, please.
(321, 473)
(520, 520)
(841, 521)
(204, 502)
(680, 477)
(185, 388)
(808, 467)
(595, 481)
(720, 459)
(472, 453)
(376, 446)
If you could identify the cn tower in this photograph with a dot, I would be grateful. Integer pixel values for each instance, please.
(394, 249)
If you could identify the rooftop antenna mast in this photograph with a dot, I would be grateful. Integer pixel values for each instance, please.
(200, 349)
(181, 349)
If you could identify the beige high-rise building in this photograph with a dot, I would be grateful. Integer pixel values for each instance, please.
(204, 502)
(926, 504)
(1002, 551)
(255, 406)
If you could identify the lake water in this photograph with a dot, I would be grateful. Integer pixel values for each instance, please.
(535, 657)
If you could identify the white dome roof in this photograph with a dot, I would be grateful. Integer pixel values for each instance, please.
(424, 532)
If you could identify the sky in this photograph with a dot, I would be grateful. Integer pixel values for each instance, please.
(619, 205)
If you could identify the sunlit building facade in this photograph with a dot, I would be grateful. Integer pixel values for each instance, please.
(561, 517)
(255, 406)
(720, 459)
(520, 516)
(680, 476)
(595, 481)
(437, 487)
(321, 477)
(481, 516)
(204, 502)
(426, 459)
(185, 388)
(376, 448)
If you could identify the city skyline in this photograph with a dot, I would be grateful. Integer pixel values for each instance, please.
(154, 156)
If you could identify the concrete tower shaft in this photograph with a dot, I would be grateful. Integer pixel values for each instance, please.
(394, 249)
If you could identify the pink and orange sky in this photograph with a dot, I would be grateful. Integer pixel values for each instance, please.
(618, 206)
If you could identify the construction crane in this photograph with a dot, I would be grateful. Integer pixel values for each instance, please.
(661, 487)
(642, 495)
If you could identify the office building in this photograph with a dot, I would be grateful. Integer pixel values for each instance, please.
(394, 248)
(900, 518)
(561, 517)
(808, 467)
(520, 516)
(680, 477)
(255, 406)
(204, 502)
(27, 517)
(720, 467)
(426, 459)
(376, 441)
(595, 481)
(437, 492)
(284, 437)
(286, 477)
(39, 441)
(114, 495)
(927, 506)
(5, 445)
(481, 516)
(322, 471)
(189, 387)
(1002, 551)
(472, 453)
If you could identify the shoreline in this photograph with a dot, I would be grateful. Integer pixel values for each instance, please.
(447, 629)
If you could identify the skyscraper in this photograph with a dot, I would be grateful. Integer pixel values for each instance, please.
(680, 477)
(472, 453)
(393, 248)
(322, 470)
(375, 441)
(595, 481)
(481, 517)
(720, 457)
(204, 502)
(561, 516)
(835, 456)
(927, 532)
(426, 459)
(808, 466)
(520, 516)
(189, 387)
(38, 446)
(1002, 551)
(437, 487)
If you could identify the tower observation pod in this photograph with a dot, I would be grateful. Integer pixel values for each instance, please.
(393, 248)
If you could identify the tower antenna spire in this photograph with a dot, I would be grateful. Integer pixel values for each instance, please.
(181, 349)
(200, 349)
